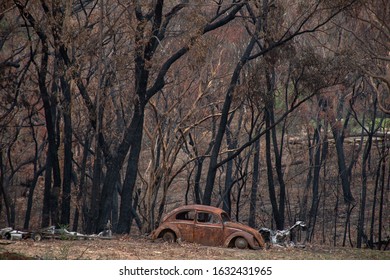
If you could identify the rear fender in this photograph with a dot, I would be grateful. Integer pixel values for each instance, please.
(157, 233)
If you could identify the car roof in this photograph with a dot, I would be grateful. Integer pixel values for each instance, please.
(199, 207)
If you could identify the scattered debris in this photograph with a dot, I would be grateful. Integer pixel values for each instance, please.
(13, 234)
(282, 237)
(51, 233)
(107, 232)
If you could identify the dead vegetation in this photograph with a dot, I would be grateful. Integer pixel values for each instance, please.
(140, 248)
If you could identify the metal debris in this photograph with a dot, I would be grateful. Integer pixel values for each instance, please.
(12, 234)
(51, 233)
(282, 237)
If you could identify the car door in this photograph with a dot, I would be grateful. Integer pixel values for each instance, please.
(184, 222)
(208, 229)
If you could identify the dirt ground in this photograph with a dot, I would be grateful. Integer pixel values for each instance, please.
(139, 248)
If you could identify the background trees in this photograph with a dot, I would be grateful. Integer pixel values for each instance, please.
(122, 110)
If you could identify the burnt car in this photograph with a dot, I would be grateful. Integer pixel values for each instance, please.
(13, 234)
(44, 233)
(207, 225)
(57, 233)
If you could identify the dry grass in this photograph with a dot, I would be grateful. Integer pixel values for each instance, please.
(125, 248)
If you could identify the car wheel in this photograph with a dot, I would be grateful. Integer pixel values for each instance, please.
(169, 236)
(37, 237)
(8, 236)
(241, 243)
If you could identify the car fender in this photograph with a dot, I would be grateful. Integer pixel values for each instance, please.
(156, 233)
(249, 237)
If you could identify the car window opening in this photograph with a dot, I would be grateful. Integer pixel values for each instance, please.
(186, 216)
(209, 218)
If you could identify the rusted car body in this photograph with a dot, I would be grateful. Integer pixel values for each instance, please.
(207, 225)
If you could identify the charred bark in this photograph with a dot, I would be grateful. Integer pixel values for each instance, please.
(68, 155)
(255, 185)
(213, 165)
(126, 206)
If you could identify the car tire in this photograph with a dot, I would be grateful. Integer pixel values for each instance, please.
(37, 237)
(241, 243)
(169, 236)
(8, 236)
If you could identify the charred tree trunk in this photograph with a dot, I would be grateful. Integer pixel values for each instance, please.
(213, 165)
(363, 195)
(106, 203)
(270, 173)
(115, 207)
(198, 176)
(280, 175)
(315, 186)
(272, 145)
(67, 171)
(382, 199)
(212, 171)
(126, 205)
(335, 220)
(1, 180)
(347, 225)
(309, 180)
(31, 187)
(81, 207)
(3, 193)
(320, 148)
(227, 192)
(146, 44)
(343, 170)
(338, 135)
(199, 166)
(37, 174)
(374, 201)
(255, 185)
(93, 212)
(50, 211)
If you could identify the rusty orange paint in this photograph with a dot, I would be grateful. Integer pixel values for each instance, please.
(207, 225)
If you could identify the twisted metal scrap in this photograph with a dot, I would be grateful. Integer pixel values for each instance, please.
(281, 237)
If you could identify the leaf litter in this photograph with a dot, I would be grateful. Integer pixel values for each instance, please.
(127, 247)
